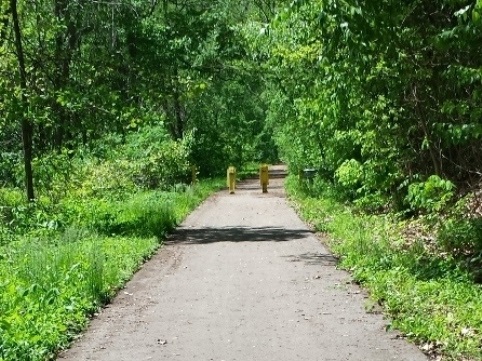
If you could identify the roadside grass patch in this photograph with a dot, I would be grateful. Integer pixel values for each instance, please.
(49, 289)
(55, 275)
(428, 296)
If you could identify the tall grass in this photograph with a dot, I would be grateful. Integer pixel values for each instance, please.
(52, 281)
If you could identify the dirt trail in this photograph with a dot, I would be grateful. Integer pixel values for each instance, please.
(242, 279)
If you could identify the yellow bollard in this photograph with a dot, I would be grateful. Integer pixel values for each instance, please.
(231, 179)
(264, 177)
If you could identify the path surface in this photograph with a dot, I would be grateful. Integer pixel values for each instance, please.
(242, 279)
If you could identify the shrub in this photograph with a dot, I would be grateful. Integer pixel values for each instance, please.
(108, 178)
(430, 196)
(161, 166)
(156, 160)
(350, 173)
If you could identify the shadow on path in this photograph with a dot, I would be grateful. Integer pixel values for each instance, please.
(322, 259)
(235, 234)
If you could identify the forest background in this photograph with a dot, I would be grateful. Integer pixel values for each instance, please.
(106, 107)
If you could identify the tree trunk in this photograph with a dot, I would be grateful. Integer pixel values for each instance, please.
(27, 128)
(423, 122)
(65, 44)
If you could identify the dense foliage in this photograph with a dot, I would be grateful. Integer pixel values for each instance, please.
(383, 100)
(378, 95)
(74, 72)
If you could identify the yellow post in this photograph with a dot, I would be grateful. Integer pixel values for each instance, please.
(264, 177)
(231, 179)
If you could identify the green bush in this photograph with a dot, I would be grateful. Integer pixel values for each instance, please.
(145, 215)
(162, 166)
(9, 165)
(11, 197)
(430, 196)
(156, 160)
(145, 159)
(350, 173)
(109, 178)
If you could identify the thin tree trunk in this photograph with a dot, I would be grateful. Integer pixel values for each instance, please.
(65, 45)
(178, 107)
(179, 116)
(27, 128)
(433, 155)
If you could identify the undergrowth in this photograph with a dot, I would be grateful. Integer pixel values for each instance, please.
(52, 280)
(95, 221)
(429, 296)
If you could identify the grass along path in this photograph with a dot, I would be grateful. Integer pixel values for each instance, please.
(428, 297)
(52, 282)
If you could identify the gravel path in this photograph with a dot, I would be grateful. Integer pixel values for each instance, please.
(242, 279)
